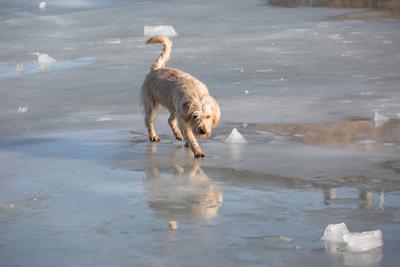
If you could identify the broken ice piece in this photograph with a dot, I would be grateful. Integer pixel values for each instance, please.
(44, 60)
(246, 92)
(22, 109)
(335, 232)
(359, 242)
(42, 5)
(19, 68)
(245, 125)
(235, 138)
(173, 225)
(380, 117)
(166, 30)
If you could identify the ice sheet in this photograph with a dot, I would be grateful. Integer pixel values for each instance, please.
(79, 180)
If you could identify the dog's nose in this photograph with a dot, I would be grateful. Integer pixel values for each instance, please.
(202, 131)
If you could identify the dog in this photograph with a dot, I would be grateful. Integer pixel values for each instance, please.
(187, 99)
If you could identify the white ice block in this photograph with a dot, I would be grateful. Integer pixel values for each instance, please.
(42, 5)
(335, 232)
(44, 60)
(380, 117)
(19, 68)
(364, 241)
(166, 30)
(235, 138)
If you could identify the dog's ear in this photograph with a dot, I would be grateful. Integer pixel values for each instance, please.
(216, 111)
(187, 109)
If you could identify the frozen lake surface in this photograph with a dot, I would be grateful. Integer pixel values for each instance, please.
(80, 185)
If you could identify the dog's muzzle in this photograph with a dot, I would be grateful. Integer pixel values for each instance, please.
(202, 131)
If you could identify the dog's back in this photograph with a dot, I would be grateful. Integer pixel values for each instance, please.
(163, 84)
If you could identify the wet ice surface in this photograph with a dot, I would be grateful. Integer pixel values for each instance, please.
(81, 185)
(12, 70)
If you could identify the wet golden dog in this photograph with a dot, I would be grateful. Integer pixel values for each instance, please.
(187, 99)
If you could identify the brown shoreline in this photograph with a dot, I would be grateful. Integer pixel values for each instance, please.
(377, 9)
(372, 14)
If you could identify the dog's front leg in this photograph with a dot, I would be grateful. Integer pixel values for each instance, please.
(192, 142)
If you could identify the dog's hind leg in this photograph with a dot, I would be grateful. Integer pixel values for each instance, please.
(172, 123)
(150, 112)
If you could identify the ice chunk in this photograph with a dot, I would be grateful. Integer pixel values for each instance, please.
(380, 117)
(166, 30)
(22, 109)
(246, 92)
(44, 60)
(42, 5)
(335, 232)
(359, 242)
(19, 68)
(235, 138)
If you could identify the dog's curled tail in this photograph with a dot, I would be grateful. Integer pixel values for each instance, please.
(165, 54)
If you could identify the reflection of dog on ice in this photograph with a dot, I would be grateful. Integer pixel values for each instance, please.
(184, 192)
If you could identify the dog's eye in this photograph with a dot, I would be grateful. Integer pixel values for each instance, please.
(195, 116)
(208, 117)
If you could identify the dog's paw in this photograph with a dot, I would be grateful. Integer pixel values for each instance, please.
(154, 138)
(199, 154)
(179, 137)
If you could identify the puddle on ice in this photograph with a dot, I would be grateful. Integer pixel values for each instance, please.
(133, 197)
(350, 133)
(12, 70)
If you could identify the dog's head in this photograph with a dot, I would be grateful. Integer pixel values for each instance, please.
(203, 115)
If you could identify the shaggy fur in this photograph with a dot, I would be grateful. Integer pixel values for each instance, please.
(193, 112)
